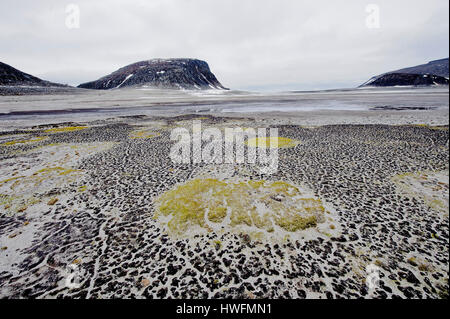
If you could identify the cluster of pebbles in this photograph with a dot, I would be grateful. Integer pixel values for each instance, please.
(93, 226)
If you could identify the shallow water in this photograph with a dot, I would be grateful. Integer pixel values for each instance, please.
(93, 105)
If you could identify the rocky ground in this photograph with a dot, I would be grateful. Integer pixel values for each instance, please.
(99, 210)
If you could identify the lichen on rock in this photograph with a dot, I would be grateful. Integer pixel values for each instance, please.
(432, 188)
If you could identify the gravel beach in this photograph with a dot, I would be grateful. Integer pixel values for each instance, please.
(101, 202)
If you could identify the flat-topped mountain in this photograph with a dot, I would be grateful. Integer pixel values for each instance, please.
(160, 73)
(10, 76)
(432, 73)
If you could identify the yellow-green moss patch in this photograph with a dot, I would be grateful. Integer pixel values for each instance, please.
(27, 141)
(58, 170)
(261, 206)
(65, 129)
(139, 134)
(272, 142)
(432, 127)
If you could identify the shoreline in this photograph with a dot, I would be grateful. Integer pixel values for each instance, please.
(428, 106)
(24, 120)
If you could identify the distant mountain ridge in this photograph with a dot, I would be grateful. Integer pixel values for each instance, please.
(403, 79)
(432, 73)
(10, 76)
(436, 67)
(160, 73)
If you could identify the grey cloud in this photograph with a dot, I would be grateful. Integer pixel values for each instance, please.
(248, 44)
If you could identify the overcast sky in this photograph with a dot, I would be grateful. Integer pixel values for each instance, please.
(249, 44)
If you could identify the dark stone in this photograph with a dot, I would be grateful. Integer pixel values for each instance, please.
(409, 292)
(301, 294)
(411, 278)
(162, 292)
(171, 270)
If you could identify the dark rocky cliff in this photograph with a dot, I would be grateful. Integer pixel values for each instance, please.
(160, 73)
(433, 73)
(437, 67)
(10, 76)
(396, 79)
